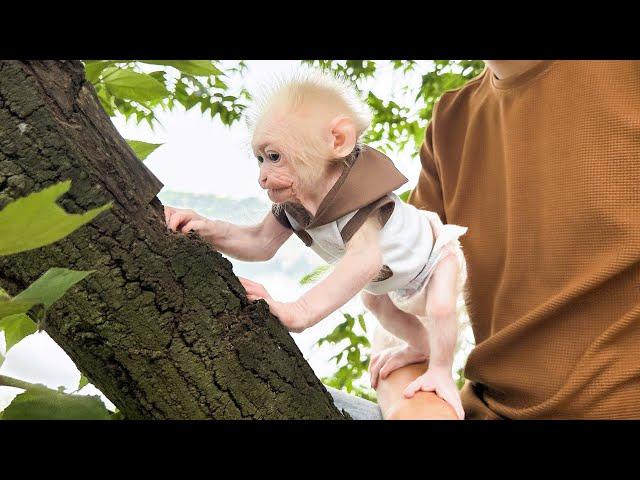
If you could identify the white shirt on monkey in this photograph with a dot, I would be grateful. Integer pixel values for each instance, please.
(412, 241)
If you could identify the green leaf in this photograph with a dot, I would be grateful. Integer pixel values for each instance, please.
(315, 275)
(11, 307)
(52, 285)
(363, 325)
(140, 87)
(93, 68)
(84, 381)
(36, 220)
(15, 328)
(404, 196)
(191, 67)
(142, 149)
(461, 380)
(46, 404)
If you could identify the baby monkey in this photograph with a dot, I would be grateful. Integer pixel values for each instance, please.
(336, 195)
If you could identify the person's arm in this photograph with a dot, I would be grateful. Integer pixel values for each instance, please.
(257, 242)
(427, 194)
(360, 264)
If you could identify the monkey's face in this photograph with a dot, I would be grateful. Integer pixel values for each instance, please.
(277, 173)
(295, 149)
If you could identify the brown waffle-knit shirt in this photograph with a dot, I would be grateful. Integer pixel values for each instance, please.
(544, 169)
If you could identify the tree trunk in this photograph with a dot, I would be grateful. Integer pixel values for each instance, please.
(163, 327)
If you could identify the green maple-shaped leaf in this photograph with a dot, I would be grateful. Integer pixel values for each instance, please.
(139, 87)
(36, 220)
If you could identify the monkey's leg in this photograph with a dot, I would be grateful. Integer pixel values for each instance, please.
(389, 390)
(403, 326)
(399, 323)
(441, 321)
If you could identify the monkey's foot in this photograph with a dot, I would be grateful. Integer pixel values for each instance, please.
(440, 382)
(392, 358)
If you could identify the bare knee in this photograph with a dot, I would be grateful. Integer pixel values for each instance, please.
(372, 302)
(422, 406)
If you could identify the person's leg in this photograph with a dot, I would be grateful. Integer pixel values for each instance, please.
(358, 408)
(393, 404)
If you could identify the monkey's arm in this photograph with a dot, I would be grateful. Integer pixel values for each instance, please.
(360, 264)
(245, 242)
(257, 242)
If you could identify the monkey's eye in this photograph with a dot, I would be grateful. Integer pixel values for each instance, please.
(274, 156)
(260, 159)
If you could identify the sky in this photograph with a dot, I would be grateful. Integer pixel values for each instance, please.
(201, 155)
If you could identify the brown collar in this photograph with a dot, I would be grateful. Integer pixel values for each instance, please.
(367, 176)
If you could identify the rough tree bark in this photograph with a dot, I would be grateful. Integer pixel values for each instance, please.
(162, 327)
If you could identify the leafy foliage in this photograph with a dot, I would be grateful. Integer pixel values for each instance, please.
(31, 222)
(446, 75)
(126, 87)
(27, 223)
(399, 124)
(353, 70)
(353, 360)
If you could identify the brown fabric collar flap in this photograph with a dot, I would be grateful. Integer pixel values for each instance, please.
(368, 177)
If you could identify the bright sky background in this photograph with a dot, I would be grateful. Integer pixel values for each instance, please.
(203, 156)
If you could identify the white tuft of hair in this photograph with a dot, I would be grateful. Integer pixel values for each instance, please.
(294, 88)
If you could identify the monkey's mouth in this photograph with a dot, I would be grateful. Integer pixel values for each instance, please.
(277, 193)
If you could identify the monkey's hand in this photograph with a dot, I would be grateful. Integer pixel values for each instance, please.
(440, 381)
(393, 358)
(291, 314)
(184, 220)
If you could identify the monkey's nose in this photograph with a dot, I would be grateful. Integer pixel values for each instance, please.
(263, 182)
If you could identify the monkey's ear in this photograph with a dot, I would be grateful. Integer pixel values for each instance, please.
(343, 136)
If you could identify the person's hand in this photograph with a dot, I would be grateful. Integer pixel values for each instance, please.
(390, 359)
(437, 380)
(184, 220)
(290, 314)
